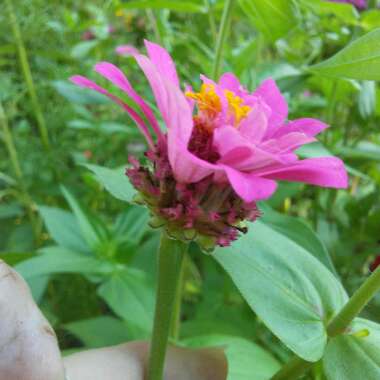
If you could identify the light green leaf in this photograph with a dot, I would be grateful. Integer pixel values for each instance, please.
(298, 231)
(344, 12)
(101, 331)
(93, 231)
(355, 355)
(130, 294)
(63, 228)
(82, 49)
(289, 289)
(359, 60)
(246, 360)
(61, 260)
(367, 99)
(78, 95)
(274, 18)
(173, 5)
(115, 181)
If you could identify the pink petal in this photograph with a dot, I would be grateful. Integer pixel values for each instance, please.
(322, 171)
(254, 126)
(227, 139)
(126, 50)
(250, 187)
(272, 96)
(230, 82)
(310, 127)
(85, 82)
(287, 143)
(163, 62)
(117, 77)
(157, 85)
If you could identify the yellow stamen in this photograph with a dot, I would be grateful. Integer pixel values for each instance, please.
(236, 107)
(208, 101)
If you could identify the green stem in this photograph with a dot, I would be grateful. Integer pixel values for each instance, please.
(9, 143)
(211, 19)
(170, 257)
(176, 321)
(28, 76)
(355, 305)
(297, 366)
(222, 34)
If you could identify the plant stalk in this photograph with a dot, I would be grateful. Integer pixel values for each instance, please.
(170, 262)
(297, 366)
(9, 143)
(222, 34)
(28, 76)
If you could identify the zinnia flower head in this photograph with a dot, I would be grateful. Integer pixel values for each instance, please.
(223, 149)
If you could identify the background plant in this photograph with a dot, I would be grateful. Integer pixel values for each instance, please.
(92, 268)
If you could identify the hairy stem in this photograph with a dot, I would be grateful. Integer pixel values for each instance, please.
(28, 76)
(222, 34)
(297, 366)
(170, 262)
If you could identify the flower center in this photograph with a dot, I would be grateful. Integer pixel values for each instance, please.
(210, 105)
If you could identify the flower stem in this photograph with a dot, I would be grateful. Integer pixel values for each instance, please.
(355, 305)
(28, 76)
(222, 34)
(297, 366)
(170, 258)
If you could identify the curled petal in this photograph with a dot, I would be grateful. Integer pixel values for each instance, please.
(308, 126)
(287, 143)
(321, 171)
(163, 62)
(270, 93)
(250, 187)
(85, 82)
(117, 77)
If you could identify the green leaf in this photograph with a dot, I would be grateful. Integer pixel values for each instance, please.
(173, 5)
(61, 260)
(367, 99)
(246, 360)
(274, 18)
(131, 225)
(289, 289)
(115, 181)
(344, 12)
(355, 355)
(298, 231)
(100, 331)
(359, 60)
(63, 228)
(78, 95)
(130, 294)
(92, 229)
(82, 49)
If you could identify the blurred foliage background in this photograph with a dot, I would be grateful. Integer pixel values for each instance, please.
(88, 257)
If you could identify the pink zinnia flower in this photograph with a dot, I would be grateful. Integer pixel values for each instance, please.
(223, 149)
